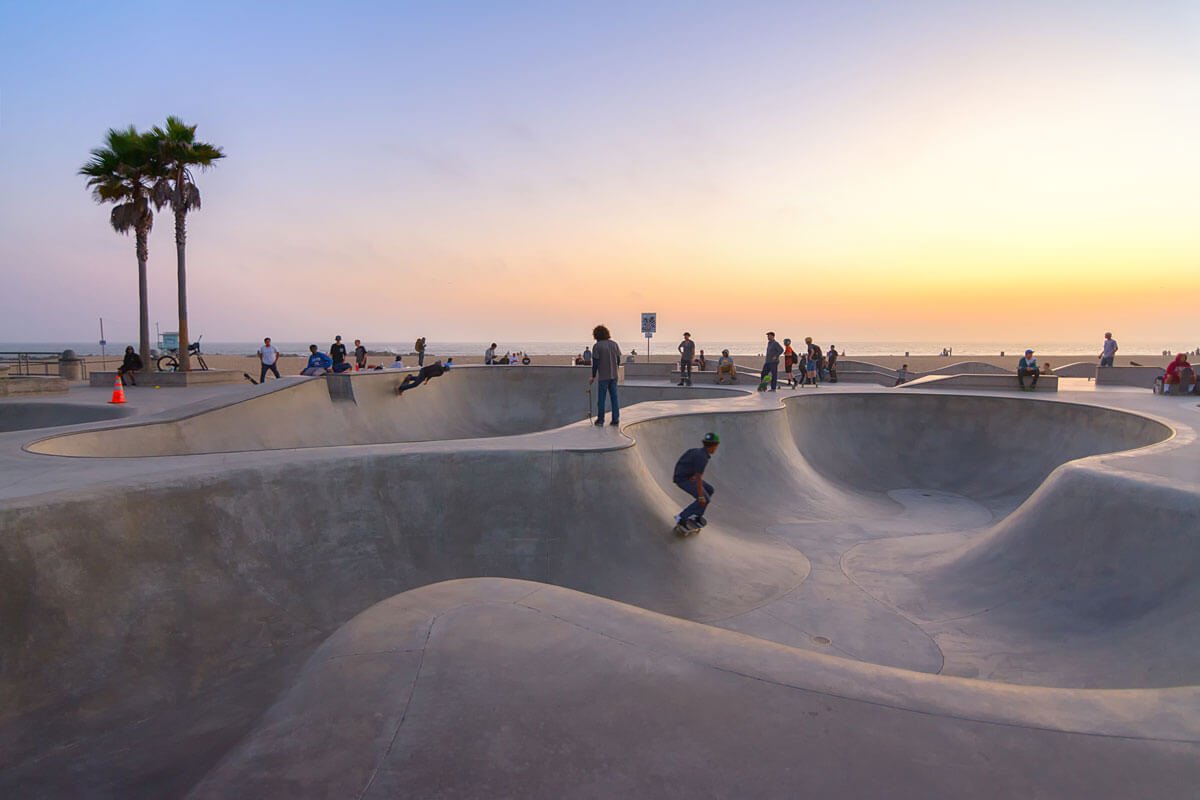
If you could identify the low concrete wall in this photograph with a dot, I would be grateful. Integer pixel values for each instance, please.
(1046, 383)
(1128, 376)
(165, 380)
(19, 385)
(644, 370)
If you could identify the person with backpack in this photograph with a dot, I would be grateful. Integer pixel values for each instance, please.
(419, 346)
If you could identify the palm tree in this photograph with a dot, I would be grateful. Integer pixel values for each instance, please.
(178, 151)
(123, 172)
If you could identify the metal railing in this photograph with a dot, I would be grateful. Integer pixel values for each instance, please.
(33, 362)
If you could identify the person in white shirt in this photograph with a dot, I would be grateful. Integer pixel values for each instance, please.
(397, 364)
(268, 355)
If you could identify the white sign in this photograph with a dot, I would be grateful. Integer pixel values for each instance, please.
(649, 323)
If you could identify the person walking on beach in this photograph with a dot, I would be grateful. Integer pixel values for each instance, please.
(318, 363)
(1028, 366)
(360, 355)
(132, 364)
(689, 476)
(434, 370)
(771, 365)
(419, 346)
(1108, 351)
(687, 354)
(606, 360)
(268, 356)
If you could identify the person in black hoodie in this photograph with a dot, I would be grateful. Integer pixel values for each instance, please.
(131, 364)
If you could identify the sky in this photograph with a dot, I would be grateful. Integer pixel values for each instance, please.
(524, 170)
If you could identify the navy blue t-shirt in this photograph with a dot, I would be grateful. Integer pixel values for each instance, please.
(691, 462)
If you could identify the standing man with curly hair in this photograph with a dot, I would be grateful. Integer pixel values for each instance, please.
(606, 361)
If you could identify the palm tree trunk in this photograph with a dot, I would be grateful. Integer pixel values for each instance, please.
(143, 300)
(185, 359)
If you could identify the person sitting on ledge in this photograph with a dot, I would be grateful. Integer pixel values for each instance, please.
(1180, 372)
(725, 368)
(1028, 366)
(901, 375)
(318, 362)
(398, 363)
(131, 364)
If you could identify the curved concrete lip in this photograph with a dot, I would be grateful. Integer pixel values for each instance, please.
(874, 582)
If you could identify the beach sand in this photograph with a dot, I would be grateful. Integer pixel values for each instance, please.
(292, 364)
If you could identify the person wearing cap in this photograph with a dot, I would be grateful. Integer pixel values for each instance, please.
(771, 365)
(689, 476)
(726, 368)
(1028, 366)
(1108, 351)
(337, 352)
(434, 370)
(687, 354)
(789, 359)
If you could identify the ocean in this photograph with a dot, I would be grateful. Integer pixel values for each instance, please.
(850, 349)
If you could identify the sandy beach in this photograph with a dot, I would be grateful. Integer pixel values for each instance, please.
(292, 364)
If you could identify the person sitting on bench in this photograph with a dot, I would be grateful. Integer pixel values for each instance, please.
(131, 364)
(725, 368)
(1180, 373)
(1028, 366)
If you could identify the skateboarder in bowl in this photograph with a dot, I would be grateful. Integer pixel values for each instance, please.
(428, 373)
(689, 476)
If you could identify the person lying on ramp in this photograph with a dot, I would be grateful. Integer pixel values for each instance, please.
(689, 476)
(434, 370)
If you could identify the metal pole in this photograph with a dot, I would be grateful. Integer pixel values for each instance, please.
(103, 361)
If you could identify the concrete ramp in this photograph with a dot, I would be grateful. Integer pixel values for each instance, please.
(363, 408)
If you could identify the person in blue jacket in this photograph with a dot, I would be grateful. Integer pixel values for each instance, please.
(318, 362)
(1026, 367)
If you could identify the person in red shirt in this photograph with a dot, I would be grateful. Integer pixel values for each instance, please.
(1180, 371)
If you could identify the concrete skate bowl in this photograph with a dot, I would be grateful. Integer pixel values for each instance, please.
(208, 591)
(21, 416)
(362, 408)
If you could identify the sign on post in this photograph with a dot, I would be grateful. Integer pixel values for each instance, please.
(649, 327)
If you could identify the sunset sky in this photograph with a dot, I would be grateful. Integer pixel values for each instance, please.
(522, 170)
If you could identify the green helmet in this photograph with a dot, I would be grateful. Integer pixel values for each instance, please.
(711, 438)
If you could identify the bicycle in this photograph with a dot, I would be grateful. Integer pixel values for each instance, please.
(169, 361)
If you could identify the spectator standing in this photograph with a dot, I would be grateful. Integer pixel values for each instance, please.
(606, 361)
(268, 356)
(789, 359)
(1028, 366)
(419, 346)
(771, 365)
(360, 355)
(831, 360)
(1108, 352)
(337, 353)
(701, 361)
(687, 354)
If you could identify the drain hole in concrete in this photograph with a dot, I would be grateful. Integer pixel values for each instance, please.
(822, 640)
(926, 494)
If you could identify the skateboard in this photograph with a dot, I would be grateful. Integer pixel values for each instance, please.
(690, 526)
(764, 383)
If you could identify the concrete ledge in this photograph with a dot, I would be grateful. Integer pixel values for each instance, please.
(1046, 383)
(173, 379)
(1128, 376)
(21, 385)
(640, 369)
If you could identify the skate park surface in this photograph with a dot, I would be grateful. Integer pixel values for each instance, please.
(316, 589)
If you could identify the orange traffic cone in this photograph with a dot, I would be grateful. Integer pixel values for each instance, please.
(118, 391)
